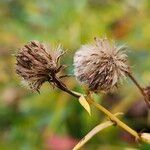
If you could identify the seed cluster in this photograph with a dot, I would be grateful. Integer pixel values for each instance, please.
(100, 65)
(36, 63)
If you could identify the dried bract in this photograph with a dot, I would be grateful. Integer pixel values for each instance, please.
(100, 65)
(36, 63)
(147, 93)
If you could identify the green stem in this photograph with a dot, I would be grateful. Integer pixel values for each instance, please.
(113, 118)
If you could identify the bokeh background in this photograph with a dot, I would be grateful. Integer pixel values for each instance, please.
(53, 120)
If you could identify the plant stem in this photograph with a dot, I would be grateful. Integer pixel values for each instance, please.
(136, 83)
(63, 87)
(94, 131)
(139, 87)
(113, 118)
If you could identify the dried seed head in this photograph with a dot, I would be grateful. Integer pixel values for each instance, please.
(147, 92)
(100, 65)
(36, 65)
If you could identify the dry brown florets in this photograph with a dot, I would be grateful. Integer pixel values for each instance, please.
(100, 65)
(37, 63)
(147, 93)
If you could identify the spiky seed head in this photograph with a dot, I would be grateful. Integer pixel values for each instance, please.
(37, 63)
(147, 92)
(100, 65)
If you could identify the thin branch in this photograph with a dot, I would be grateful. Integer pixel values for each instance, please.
(112, 117)
(139, 87)
(94, 131)
(64, 76)
(136, 83)
(63, 87)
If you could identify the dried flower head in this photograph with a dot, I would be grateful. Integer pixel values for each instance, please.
(100, 65)
(36, 64)
(147, 93)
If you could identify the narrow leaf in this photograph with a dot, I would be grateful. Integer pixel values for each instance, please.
(85, 104)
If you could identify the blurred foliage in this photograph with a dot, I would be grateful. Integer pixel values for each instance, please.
(32, 121)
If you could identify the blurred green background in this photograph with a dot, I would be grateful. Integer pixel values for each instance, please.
(53, 120)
